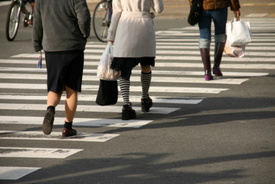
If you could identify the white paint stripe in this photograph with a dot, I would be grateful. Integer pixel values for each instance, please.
(235, 74)
(92, 98)
(133, 79)
(159, 59)
(56, 136)
(92, 54)
(182, 39)
(95, 46)
(160, 89)
(256, 14)
(196, 44)
(196, 53)
(137, 71)
(194, 36)
(188, 47)
(86, 122)
(5, 3)
(15, 173)
(224, 65)
(84, 108)
(21, 152)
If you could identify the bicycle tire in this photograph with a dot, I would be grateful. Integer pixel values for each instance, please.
(101, 21)
(13, 20)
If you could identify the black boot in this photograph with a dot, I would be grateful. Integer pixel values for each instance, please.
(128, 112)
(219, 48)
(146, 104)
(205, 56)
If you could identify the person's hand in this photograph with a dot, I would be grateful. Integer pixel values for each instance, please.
(237, 14)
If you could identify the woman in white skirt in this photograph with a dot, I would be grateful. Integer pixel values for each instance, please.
(133, 35)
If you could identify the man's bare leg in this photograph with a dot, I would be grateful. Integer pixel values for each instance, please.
(70, 109)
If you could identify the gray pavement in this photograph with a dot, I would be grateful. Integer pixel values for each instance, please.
(227, 138)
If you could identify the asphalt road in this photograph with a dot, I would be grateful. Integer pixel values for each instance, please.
(226, 138)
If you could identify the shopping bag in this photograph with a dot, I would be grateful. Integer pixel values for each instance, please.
(234, 51)
(194, 13)
(238, 32)
(107, 93)
(104, 70)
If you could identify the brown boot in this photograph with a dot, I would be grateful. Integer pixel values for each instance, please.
(68, 132)
(205, 56)
(219, 48)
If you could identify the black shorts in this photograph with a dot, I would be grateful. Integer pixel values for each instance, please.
(64, 69)
(125, 65)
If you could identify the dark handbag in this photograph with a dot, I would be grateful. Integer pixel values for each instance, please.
(195, 11)
(107, 93)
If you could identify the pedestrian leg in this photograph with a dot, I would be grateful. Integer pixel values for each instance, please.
(70, 110)
(52, 101)
(146, 75)
(127, 111)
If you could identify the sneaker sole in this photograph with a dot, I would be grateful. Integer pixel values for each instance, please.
(48, 123)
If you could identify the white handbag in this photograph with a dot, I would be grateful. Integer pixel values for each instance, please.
(104, 70)
(238, 32)
(234, 51)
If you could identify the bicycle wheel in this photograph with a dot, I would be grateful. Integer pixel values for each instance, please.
(13, 20)
(101, 20)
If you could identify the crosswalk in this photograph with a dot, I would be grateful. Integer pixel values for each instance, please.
(177, 80)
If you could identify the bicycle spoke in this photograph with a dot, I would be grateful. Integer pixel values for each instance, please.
(102, 20)
(13, 20)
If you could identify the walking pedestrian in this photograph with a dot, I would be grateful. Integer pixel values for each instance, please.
(216, 11)
(61, 29)
(133, 35)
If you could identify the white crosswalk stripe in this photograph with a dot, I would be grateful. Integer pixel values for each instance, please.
(134, 79)
(55, 136)
(178, 46)
(87, 122)
(22, 152)
(15, 173)
(177, 79)
(82, 108)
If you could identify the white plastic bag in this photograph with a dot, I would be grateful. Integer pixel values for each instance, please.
(238, 33)
(104, 71)
(234, 51)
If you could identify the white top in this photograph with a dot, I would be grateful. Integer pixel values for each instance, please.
(132, 27)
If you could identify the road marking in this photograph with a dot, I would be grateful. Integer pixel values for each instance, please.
(84, 108)
(15, 173)
(55, 136)
(133, 79)
(92, 98)
(192, 40)
(190, 45)
(159, 58)
(156, 72)
(80, 122)
(21, 152)
(185, 46)
(257, 15)
(157, 89)
(5, 3)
